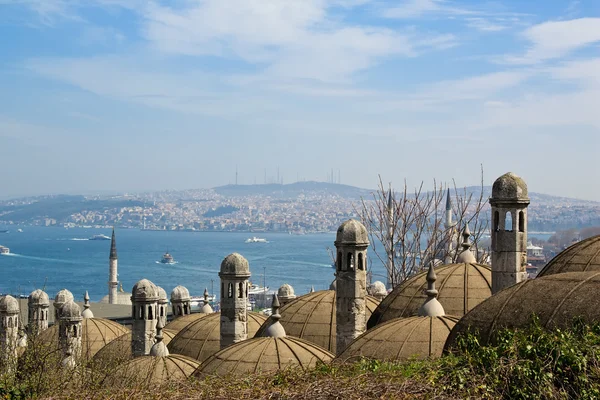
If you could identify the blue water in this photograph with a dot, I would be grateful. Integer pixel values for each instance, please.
(63, 258)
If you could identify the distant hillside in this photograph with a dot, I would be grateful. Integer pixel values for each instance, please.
(293, 190)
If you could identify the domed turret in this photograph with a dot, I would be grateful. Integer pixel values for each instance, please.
(61, 298)
(9, 331)
(69, 332)
(145, 290)
(145, 309)
(235, 264)
(70, 311)
(510, 187)
(180, 301)
(9, 305)
(352, 232)
(286, 294)
(180, 293)
(234, 275)
(38, 297)
(38, 304)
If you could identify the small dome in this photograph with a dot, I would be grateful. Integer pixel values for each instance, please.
(38, 298)
(460, 288)
(70, 311)
(312, 317)
(509, 187)
(264, 354)
(145, 290)
(583, 256)
(62, 297)
(162, 295)
(9, 305)
(352, 232)
(155, 371)
(202, 338)
(180, 293)
(181, 322)
(235, 264)
(285, 290)
(119, 349)
(87, 313)
(402, 339)
(556, 300)
(377, 289)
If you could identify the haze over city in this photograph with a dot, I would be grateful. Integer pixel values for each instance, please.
(127, 95)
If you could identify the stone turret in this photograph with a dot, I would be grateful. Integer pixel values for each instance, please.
(286, 294)
(69, 333)
(234, 275)
(509, 203)
(180, 301)
(113, 275)
(144, 309)
(351, 282)
(37, 305)
(63, 296)
(9, 331)
(163, 302)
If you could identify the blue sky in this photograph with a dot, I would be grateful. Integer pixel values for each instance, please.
(127, 95)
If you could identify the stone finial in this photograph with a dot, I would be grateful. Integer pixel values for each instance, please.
(159, 349)
(275, 329)
(466, 255)
(431, 307)
(87, 313)
(206, 308)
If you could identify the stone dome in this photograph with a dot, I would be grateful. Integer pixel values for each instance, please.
(62, 297)
(352, 232)
(264, 354)
(9, 305)
(509, 187)
(179, 323)
(312, 317)
(555, 299)
(180, 293)
(285, 290)
(119, 350)
(202, 338)
(581, 257)
(38, 297)
(235, 264)
(70, 311)
(402, 339)
(162, 295)
(145, 290)
(156, 371)
(460, 288)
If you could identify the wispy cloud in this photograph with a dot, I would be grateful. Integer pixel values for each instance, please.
(409, 9)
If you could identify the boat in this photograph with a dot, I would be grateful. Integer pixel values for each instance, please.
(255, 239)
(20, 230)
(4, 250)
(99, 237)
(167, 258)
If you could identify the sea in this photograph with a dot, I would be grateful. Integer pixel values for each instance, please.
(54, 258)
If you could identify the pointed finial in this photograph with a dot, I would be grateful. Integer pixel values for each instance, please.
(205, 296)
(390, 197)
(431, 307)
(275, 329)
(466, 255)
(312, 289)
(206, 308)
(86, 313)
(113, 246)
(448, 201)
(159, 349)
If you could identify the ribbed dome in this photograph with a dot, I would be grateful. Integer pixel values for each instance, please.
(580, 257)
(180, 293)
(9, 305)
(556, 300)
(312, 317)
(264, 354)
(202, 338)
(352, 232)
(96, 333)
(461, 287)
(179, 323)
(145, 290)
(120, 348)
(38, 297)
(509, 187)
(235, 264)
(402, 339)
(154, 370)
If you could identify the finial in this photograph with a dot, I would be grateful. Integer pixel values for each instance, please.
(448, 201)
(121, 287)
(390, 198)
(86, 313)
(159, 349)
(312, 289)
(275, 329)
(206, 308)
(205, 296)
(113, 246)
(466, 255)
(431, 307)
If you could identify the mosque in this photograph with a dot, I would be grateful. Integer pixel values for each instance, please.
(420, 318)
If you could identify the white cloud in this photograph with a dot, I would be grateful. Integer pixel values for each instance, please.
(486, 25)
(409, 9)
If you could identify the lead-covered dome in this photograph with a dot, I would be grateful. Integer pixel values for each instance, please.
(180, 293)
(145, 290)
(313, 317)
(155, 371)
(509, 187)
(264, 354)
(39, 298)
(9, 305)
(556, 300)
(583, 256)
(460, 288)
(235, 264)
(352, 232)
(119, 349)
(179, 323)
(402, 339)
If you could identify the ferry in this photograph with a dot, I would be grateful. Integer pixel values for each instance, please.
(99, 237)
(4, 250)
(255, 239)
(167, 258)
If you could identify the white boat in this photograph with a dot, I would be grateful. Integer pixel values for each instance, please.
(167, 258)
(4, 250)
(99, 237)
(255, 239)
(20, 230)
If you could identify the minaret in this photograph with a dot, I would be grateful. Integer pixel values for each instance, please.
(180, 301)
(69, 333)
(163, 302)
(431, 307)
(234, 275)
(509, 203)
(63, 296)
(112, 274)
(206, 308)
(466, 255)
(159, 349)
(9, 331)
(351, 244)
(144, 309)
(390, 238)
(87, 313)
(37, 305)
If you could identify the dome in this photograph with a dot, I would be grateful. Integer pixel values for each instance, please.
(181, 322)
(285, 290)
(119, 349)
(352, 232)
(509, 187)
(202, 338)
(39, 298)
(235, 264)
(402, 339)
(62, 297)
(70, 311)
(162, 295)
(555, 299)
(264, 354)
(180, 293)
(155, 371)
(581, 257)
(460, 288)
(145, 290)
(312, 317)
(9, 305)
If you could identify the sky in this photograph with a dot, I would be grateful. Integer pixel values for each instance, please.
(128, 95)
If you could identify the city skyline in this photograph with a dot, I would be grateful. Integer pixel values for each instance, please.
(133, 96)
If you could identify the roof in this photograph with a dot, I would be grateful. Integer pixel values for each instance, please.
(582, 256)
(352, 232)
(144, 290)
(181, 322)
(312, 317)
(154, 370)
(235, 264)
(9, 305)
(402, 339)
(180, 293)
(460, 288)
(509, 187)
(202, 338)
(120, 348)
(39, 297)
(556, 300)
(264, 354)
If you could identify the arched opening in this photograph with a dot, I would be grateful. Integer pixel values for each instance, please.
(222, 290)
(246, 289)
(339, 261)
(10, 323)
(351, 261)
(150, 312)
(496, 221)
(230, 290)
(508, 222)
(240, 290)
(162, 312)
(185, 309)
(179, 310)
(521, 221)
(360, 262)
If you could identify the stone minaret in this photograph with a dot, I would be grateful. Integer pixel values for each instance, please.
(37, 305)
(163, 302)
(234, 275)
(62, 297)
(180, 301)
(69, 333)
(351, 282)
(509, 203)
(144, 309)
(112, 273)
(9, 331)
